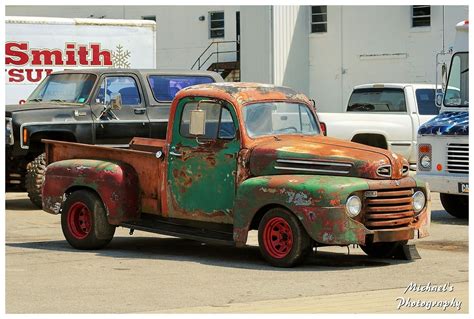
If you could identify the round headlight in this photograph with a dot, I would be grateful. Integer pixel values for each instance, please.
(425, 161)
(353, 206)
(419, 201)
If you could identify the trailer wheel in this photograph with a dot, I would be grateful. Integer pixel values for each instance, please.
(84, 221)
(456, 205)
(382, 250)
(34, 179)
(282, 240)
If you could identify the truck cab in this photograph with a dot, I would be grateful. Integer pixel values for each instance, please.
(239, 157)
(443, 142)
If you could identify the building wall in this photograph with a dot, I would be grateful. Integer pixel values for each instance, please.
(180, 37)
(366, 44)
(291, 47)
(256, 44)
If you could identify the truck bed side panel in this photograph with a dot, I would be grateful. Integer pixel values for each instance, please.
(149, 169)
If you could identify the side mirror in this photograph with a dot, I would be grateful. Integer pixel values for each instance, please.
(116, 101)
(197, 122)
(439, 99)
(444, 77)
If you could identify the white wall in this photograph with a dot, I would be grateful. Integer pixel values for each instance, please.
(350, 53)
(181, 37)
(290, 47)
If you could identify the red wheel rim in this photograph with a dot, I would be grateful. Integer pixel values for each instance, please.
(79, 220)
(278, 237)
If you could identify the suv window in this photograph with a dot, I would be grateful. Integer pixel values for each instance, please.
(219, 122)
(425, 99)
(165, 87)
(126, 86)
(377, 100)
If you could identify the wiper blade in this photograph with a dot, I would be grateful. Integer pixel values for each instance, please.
(57, 100)
(35, 100)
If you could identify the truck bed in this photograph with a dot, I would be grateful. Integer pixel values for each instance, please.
(141, 156)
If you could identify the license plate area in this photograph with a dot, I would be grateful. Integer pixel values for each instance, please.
(463, 188)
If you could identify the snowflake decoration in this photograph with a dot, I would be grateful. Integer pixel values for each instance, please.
(120, 58)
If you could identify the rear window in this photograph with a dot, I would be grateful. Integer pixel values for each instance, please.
(377, 100)
(425, 99)
(165, 87)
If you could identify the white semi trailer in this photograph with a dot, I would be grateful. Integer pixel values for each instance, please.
(37, 46)
(443, 142)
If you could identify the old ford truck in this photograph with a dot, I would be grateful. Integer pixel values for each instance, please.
(239, 157)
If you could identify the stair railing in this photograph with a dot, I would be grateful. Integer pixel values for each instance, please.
(200, 61)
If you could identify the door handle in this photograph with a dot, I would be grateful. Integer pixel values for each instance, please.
(176, 154)
(140, 110)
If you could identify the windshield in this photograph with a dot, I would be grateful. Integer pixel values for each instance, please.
(377, 100)
(68, 88)
(277, 118)
(457, 94)
(165, 87)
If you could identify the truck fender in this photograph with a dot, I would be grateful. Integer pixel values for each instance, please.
(116, 183)
(317, 201)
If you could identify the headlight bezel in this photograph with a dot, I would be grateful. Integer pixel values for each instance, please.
(351, 200)
(414, 199)
(425, 158)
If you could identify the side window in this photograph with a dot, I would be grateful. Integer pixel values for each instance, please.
(226, 127)
(123, 85)
(219, 123)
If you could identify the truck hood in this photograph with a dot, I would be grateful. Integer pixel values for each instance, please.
(321, 155)
(447, 123)
(15, 108)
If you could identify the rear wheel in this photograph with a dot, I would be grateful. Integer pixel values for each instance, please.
(84, 221)
(456, 205)
(34, 179)
(382, 250)
(282, 239)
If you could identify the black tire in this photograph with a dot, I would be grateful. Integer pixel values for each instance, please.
(84, 221)
(456, 205)
(34, 179)
(286, 226)
(382, 250)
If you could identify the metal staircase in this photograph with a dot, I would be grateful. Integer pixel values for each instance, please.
(216, 58)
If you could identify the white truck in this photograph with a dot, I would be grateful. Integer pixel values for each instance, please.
(37, 46)
(443, 142)
(385, 115)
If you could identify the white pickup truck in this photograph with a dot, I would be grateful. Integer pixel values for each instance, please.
(385, 115)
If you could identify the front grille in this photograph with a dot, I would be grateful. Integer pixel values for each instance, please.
(387, 209)
(313, 166)
(458, 158)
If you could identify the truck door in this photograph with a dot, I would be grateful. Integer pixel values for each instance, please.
(118, 127)
(202, 171)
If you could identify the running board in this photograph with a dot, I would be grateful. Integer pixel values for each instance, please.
(187, 232)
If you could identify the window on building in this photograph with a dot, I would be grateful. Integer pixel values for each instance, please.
(319, 19)
(421, 16)
(151, 18)
(216, 24)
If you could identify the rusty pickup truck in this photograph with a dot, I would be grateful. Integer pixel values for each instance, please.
(239, 157)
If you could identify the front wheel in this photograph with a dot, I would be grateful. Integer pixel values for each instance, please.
(84, 221)
(382, 250)
(455, 205)
(282, 239)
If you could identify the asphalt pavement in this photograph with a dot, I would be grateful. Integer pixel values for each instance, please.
(148, 273)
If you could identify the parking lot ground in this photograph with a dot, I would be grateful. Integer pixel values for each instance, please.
(148, 273)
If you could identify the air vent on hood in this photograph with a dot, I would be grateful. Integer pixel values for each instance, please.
(313, 166)
(384, 171)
